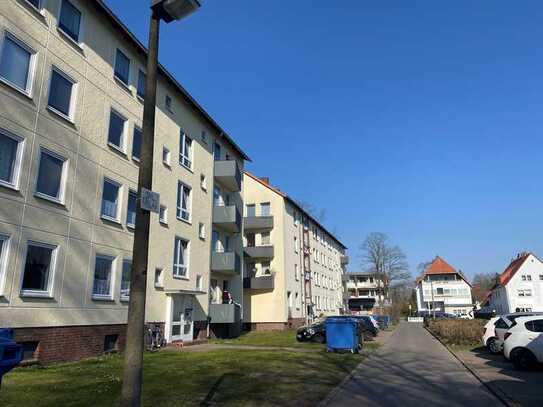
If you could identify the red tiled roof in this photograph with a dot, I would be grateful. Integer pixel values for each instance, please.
(513, 267)
(440, 266)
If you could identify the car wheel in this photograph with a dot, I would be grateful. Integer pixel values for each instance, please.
(493, 346)
(319, 338)
(523, 359)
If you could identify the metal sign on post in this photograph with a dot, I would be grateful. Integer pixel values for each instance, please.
(150, 201)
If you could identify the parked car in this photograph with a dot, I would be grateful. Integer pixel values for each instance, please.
(315, 332)
(506, 322)
(523, 343)
(489, 336)
(369, 330)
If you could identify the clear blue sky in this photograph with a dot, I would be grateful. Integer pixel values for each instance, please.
(419, 119)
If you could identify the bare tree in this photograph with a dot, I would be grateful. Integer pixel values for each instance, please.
(387, 262)
(481, 284)
(317, 213)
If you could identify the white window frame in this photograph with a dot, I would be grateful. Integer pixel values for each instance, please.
(199, 282)
(296, 272)
(179, 210)
(80, 40)
(134, 192)
(119, 200)
(202, 230)
(64, 176)
(163, 219)
(18, 160)
(29, 89)
(122, 147)
(52, 269)
(186, 260)
(203, 182)
(159, 283)
(4, 256)
(134, 158)
(73, 97)
(121, 296)
(168, 161)
(117, 78)
(103, 297)
(186, 160)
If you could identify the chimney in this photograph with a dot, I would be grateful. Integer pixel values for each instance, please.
(265, 180)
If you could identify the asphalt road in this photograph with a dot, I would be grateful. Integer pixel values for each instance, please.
(412, 369)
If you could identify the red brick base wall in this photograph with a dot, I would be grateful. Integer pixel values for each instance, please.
(296, 322)
(266, 326)
(69, 343)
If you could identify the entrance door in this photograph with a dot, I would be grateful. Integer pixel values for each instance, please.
(182, 318)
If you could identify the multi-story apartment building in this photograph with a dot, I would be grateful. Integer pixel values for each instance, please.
(293, 265)
(365, 292)
(71, 87)
(519, 288)
(442, 288)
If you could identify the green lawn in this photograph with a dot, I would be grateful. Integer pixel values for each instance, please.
(282, 339)
(220, 377)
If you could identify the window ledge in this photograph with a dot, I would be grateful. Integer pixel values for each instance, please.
(163, 222)
(102, 298)
(188, 222)
(36, 294)
(39, 13)
(77, 45)
(16, 88)
(49, 198)
(167, 164)
(122, 84)
(125, 299)
(110, 219)
(9, 186)
(136, 160)
(140, 99)
(131, 227)
(67, 119)
(181, 278)
(186, 167)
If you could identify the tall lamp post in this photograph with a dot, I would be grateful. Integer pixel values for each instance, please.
(167, 10)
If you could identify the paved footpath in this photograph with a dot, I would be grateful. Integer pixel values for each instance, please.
(412, 369)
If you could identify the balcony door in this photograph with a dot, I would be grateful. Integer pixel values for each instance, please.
(182, 325)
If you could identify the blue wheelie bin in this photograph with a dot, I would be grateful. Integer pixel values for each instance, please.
(11, 354)
(343, 334)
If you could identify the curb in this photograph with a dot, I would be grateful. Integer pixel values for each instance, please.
(489, 388)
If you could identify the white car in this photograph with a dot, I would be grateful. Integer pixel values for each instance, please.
(489, 336)
(503, 324)
(524, 342)
(374, 322)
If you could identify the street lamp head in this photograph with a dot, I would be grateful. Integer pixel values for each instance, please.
(170, 10)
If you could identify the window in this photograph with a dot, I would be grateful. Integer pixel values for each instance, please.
(131, 209)
(11, 151)
(103, 277)
(142, 81)
(125, 279)
(136, 144)
(265, 209)
(180, 258)
(183, 201)
(203, 182)
(117, 124)
(185, 150)
(296, 272)
(265, 238)
(201, 230)
(61, 94)
(122, 67)
(110, 343)
(17, 63)
(30, 350)
(163, 215)
(529, 277)
(295, 244)
(217, 152)
(110, 200)
(168, 103)
(251, 210)
(166, 156)
(266, 268)
(541, 277)
(528, 292)
(35, 3)
(4, 244)
(199, 283)
(158, 277)
(51, 176)
(204, 137)
(520, 293)
(39, 269)
(70, 20)
(534, 326)
(250, 239)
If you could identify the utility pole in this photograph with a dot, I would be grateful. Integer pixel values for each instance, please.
(167, 10)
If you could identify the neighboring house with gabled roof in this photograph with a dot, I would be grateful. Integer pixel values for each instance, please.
(442, 288)
(520, 287)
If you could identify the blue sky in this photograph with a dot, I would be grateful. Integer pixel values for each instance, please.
(419, 119)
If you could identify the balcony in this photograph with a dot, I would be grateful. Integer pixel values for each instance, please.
(224, 313)
(259, 283)
(228, 174)
(259, 252)
(227, 218)
(258, 223)
(344, 260)
(228, 262)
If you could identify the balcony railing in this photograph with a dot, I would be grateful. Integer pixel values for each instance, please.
(227, 218)
(258, 223)
(266, 282)
(228, 174)
(227, 262)
(224, 313)
(259, 252)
